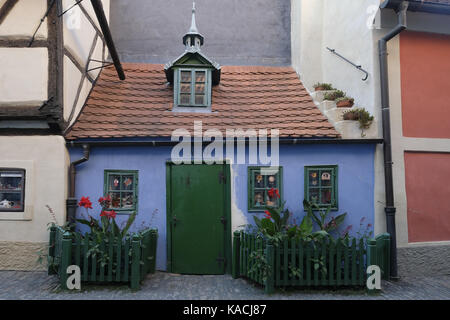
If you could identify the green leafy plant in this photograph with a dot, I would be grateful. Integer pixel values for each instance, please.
(275, 220)
(364, 118)
(320, 216)
(258, 263)
(344, 99)
(107, 223)
(332, 96)
(103, 228)
(323, 86)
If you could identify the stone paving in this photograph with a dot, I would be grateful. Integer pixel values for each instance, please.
(165, 286)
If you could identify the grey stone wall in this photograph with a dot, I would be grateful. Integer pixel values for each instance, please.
(423, 261)
(237, 32)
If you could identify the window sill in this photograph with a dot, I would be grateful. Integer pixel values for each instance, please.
(27, 215)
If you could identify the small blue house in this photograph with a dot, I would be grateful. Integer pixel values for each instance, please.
(184, 146)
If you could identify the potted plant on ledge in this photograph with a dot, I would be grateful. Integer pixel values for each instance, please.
(344, 102)
(332, 96)
(361, 115)
(323, 87)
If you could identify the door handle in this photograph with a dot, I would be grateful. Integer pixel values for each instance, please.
(175, 220)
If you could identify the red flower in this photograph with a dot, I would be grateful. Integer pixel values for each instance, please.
(85, 202)
(268, 215)
(108, 214)
(273, 192)
(105, 201)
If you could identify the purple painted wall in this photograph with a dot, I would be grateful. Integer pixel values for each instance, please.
(355, 181)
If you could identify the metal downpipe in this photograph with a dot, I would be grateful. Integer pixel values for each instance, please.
(387, 146)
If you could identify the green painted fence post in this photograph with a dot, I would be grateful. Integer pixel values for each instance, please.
(51, 250)
(236, 253)
(270, 280)
(154, 242)
(371, 258)
(371, 252)
(66, 258)
(135, 262)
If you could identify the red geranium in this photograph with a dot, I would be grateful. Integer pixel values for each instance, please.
(268, 215)
(108, 214)
(85, 202)
(105, 201)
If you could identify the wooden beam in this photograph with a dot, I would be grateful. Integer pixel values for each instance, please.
(6, 8)
(77, 64)
(22, 43)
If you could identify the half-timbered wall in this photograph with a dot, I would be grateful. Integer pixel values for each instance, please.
(44, 61)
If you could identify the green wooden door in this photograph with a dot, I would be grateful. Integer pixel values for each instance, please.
(197, 219)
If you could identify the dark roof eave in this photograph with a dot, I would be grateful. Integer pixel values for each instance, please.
(161, 142)
(419, 6)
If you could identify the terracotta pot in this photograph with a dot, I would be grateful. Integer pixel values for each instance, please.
(345, 104)
(350, 116)
(319, 89)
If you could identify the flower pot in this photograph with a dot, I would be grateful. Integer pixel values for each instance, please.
(348, 103)
(350, 116)
(319, 89)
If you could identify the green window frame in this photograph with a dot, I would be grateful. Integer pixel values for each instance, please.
(193, 87)
(122, 186)
(321, 185)
(259, 184)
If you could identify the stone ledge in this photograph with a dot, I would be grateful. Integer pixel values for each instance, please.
(423, 261)
(21, 256)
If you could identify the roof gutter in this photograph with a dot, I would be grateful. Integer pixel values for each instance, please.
(419, 6)
(387, 146)
(160, 143)
(98, 9)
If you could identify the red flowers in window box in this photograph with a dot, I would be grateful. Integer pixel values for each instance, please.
(85, 202)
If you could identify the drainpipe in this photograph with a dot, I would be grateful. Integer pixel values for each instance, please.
(71, 202)
(387, 147)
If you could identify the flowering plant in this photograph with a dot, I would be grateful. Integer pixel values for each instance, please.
(107, 223)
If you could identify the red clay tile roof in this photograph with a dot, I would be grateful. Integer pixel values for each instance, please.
(247, 97)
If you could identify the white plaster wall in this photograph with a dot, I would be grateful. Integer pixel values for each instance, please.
(343, 25)
(78, 39)
(72, 77)
(23, 75)
(46, 160)
(346, 28)
(24, 19)
(306, 38)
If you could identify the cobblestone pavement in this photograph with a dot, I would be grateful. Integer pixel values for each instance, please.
(165, 286)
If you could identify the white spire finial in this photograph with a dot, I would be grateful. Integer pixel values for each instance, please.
(193, 28)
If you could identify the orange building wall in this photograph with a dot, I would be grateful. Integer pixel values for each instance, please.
(428, 195)
(425, 83)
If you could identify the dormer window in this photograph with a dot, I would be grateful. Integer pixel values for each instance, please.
(192, 74)
(193, 87)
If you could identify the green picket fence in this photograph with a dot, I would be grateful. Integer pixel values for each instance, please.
(298, 263)
(128, 261)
